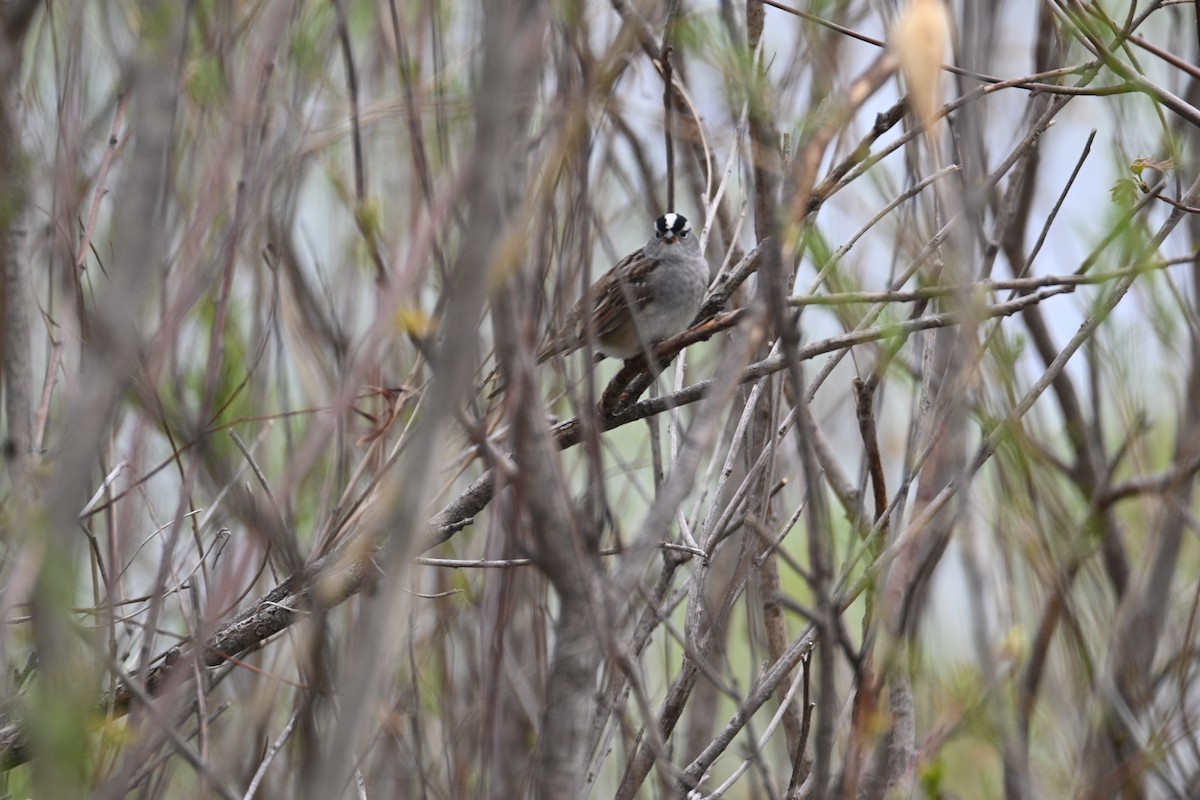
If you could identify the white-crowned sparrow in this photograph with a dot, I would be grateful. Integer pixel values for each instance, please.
(651, 294)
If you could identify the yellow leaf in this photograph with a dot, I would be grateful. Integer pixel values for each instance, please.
(919, 44)
(414, 321)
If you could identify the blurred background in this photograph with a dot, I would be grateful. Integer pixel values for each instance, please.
(290, 510)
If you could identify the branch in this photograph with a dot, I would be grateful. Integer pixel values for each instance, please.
(453, 517)
(344, 573)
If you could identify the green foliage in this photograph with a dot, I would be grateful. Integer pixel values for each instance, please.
(310, 41)
(156, 22)
(1126, 192)
(206, 83)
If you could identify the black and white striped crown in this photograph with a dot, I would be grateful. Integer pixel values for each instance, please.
(675, 223)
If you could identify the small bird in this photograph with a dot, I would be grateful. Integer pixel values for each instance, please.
(650, 295)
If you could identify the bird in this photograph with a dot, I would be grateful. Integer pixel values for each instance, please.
(651, 294)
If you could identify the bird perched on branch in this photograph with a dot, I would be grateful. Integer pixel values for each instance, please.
(652, 294)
